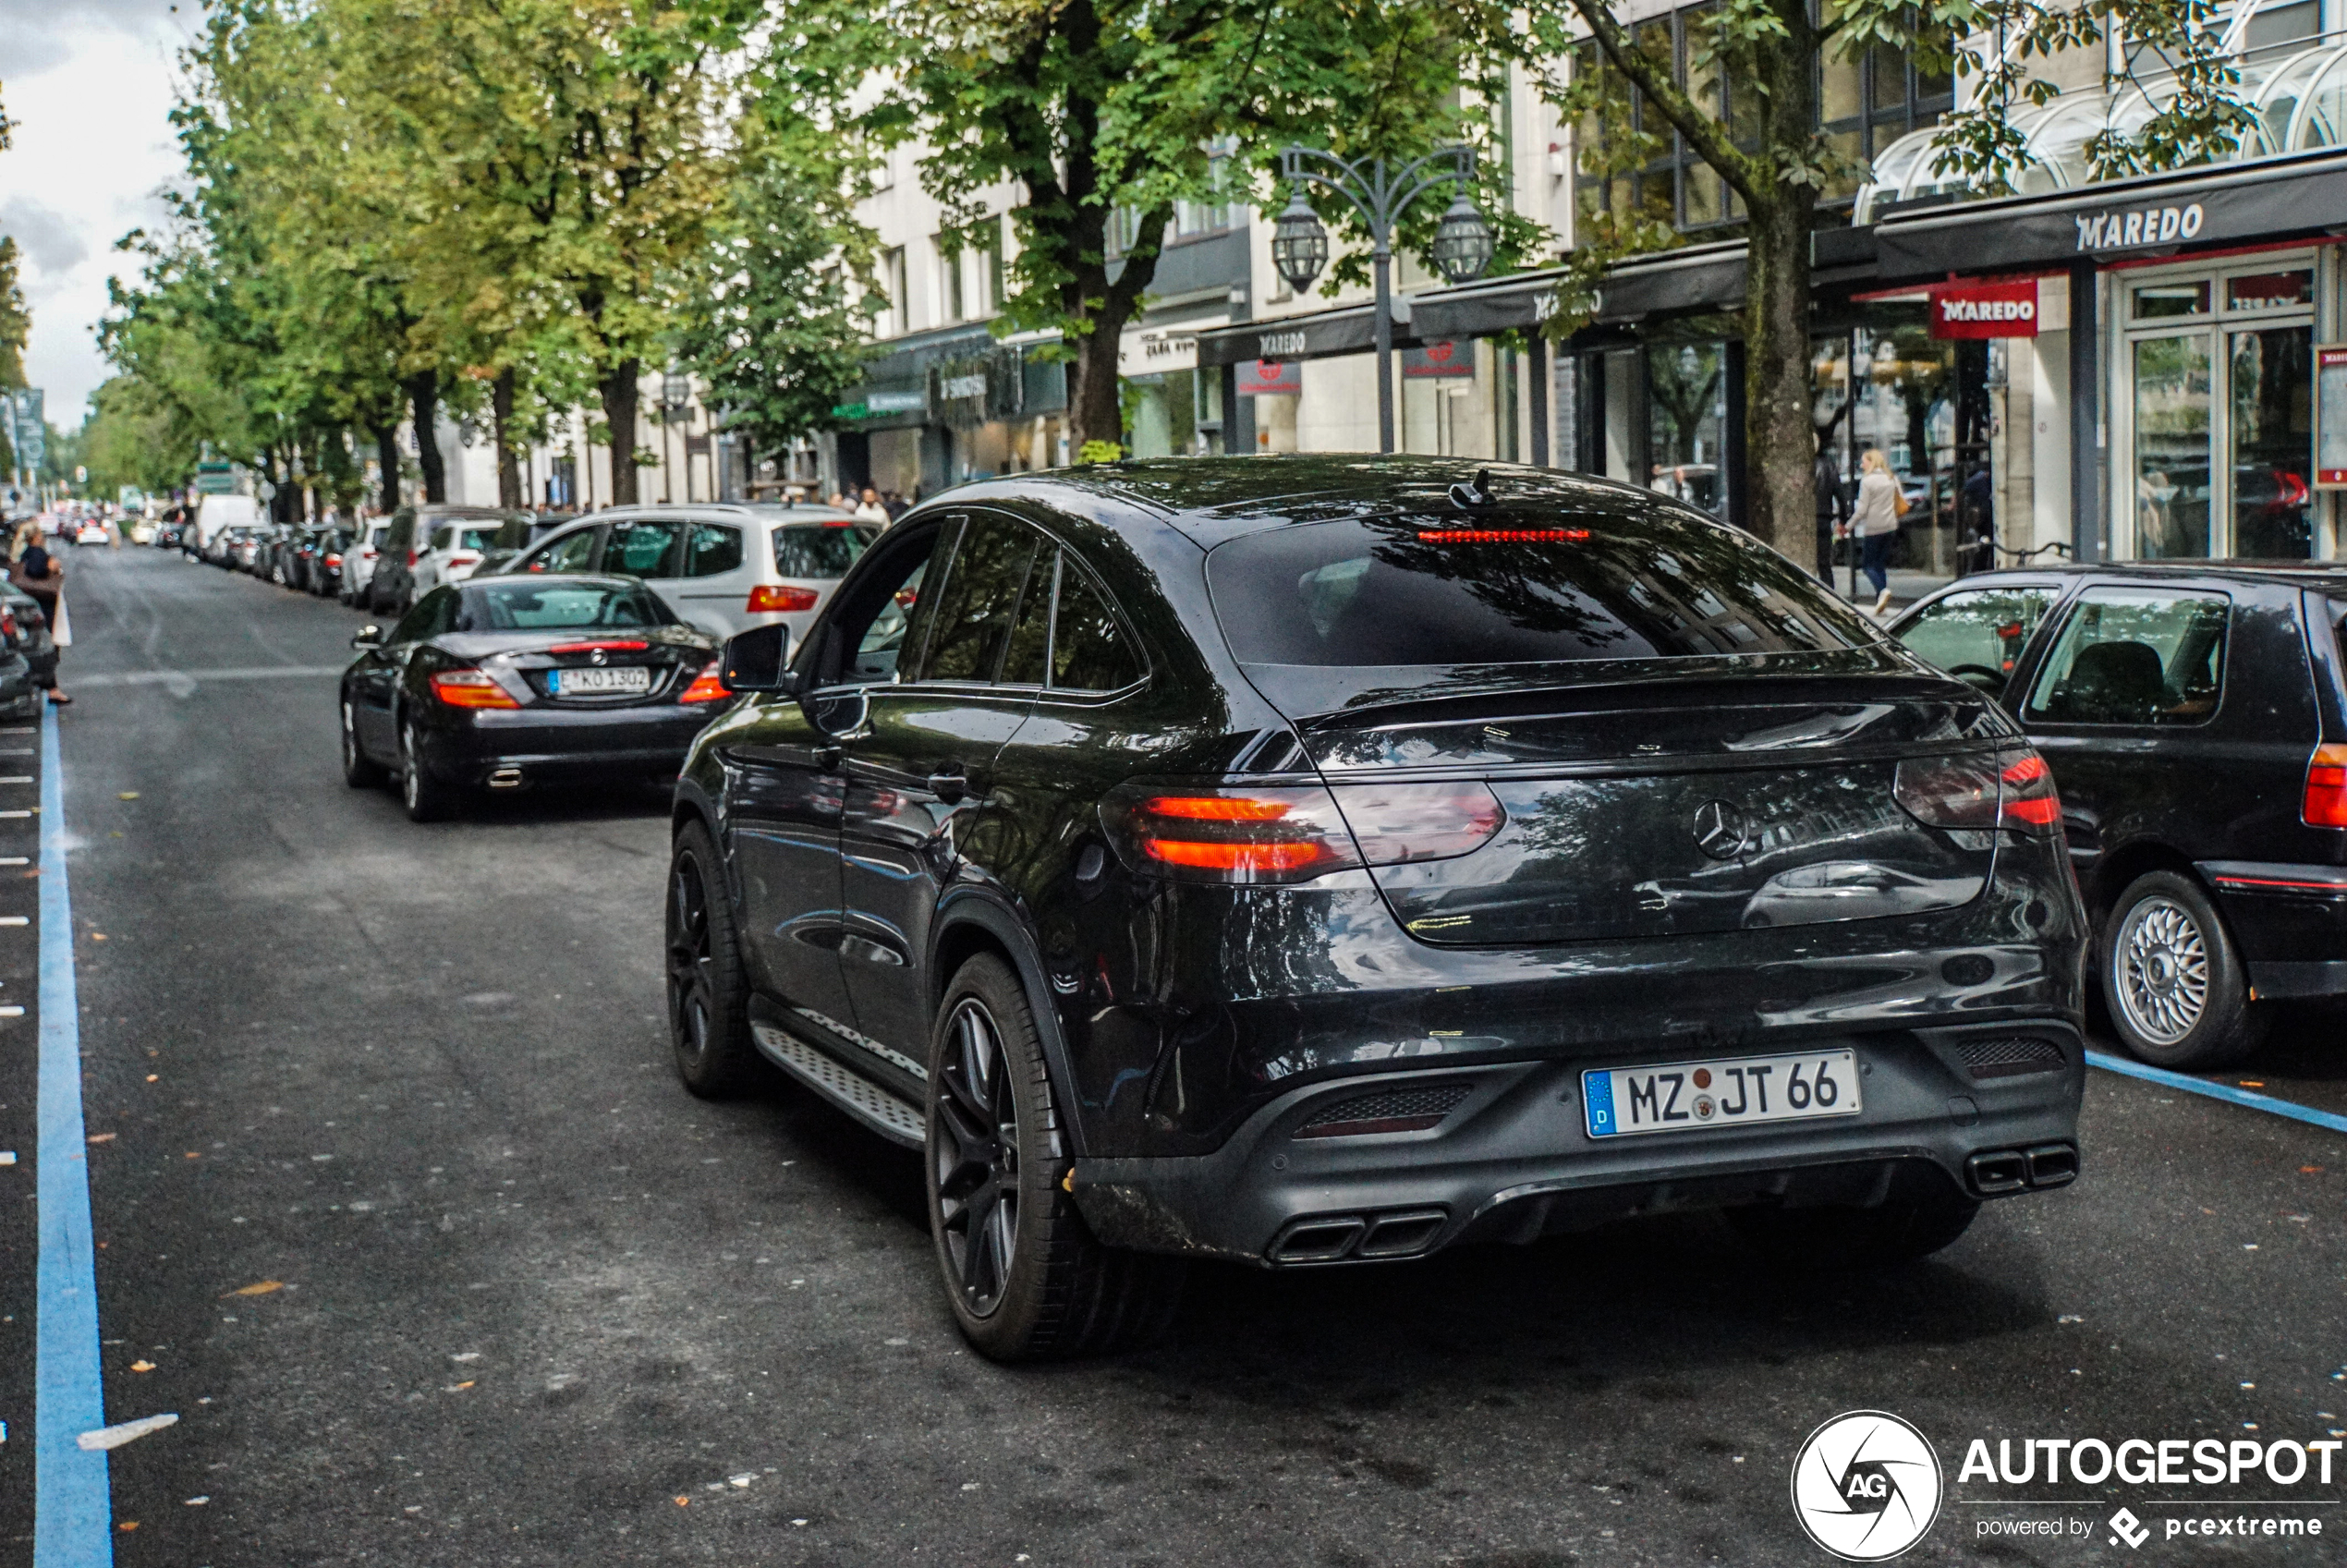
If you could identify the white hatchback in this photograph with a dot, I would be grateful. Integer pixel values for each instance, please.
(359, 559)
(722, 567)
(453, 553)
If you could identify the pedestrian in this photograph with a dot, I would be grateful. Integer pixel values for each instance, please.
(44, 577)
(1833, 511)
(870, 509)
(1875, 520)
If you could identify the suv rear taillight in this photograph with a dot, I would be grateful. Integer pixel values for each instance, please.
(1393, 823)
(1287, 833)
(2326, 802)
(470, 688)
(766, 599)
(2013, 790)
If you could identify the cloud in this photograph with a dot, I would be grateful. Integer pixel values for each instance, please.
(45, 236)
(42, 34)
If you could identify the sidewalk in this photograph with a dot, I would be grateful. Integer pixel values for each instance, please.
(1905, 586)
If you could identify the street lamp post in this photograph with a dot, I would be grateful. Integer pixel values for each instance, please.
(675, 397)
(1463, 243)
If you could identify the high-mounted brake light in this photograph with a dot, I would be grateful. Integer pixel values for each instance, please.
(706, 688)
(622, 646)
(470, 688)
(766, 599)
(2326, 802)
(1503, 536)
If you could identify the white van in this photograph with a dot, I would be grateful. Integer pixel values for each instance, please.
(216, 512)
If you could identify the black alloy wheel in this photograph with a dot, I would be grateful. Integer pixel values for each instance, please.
(427, 799)
(975, 1152)
(2177, 992)
(1024, 1274)
(358, 769)
(708, 994)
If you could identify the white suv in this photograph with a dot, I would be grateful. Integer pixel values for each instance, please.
(453, 552)
(725, 568)
(359, 559)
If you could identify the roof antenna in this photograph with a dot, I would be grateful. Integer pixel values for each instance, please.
(1476, 494)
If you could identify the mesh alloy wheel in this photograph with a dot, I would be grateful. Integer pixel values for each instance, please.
(2162, 969)
(974, 1156)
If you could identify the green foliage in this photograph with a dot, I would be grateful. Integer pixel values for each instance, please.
(1098, 452)
(15, 322)
(775, 309)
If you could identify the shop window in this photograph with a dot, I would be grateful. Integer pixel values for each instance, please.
(2270, 291)
(2132, 656)
(1686, 423)
(2158, 301)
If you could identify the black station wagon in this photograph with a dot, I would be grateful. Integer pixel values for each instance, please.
(2195, 715)
(1307, 861)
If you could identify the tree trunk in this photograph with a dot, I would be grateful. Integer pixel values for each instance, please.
(501, 407)
(1781, 441)
(424, 395)
(387, 461)
(619, 391)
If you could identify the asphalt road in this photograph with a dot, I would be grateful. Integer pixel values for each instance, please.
(540, 1307)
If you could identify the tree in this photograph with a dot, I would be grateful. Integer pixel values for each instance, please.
(15, 322)
(1106, 112)
(774, 314)
(1768, 151)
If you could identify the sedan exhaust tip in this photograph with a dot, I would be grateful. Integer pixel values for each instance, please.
(506, 778)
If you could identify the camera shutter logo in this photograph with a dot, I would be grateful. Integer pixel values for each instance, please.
(1866, 1485)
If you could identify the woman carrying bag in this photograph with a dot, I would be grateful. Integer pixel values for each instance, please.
(41, 575)
(1875, 518)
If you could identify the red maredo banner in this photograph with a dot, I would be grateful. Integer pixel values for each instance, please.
(2007, 308)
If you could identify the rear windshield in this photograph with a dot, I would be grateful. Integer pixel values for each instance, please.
(1504, 588)
(519, 605)
(821, 550)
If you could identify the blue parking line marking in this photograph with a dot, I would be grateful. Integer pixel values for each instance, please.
(2254, 1101)
(72, 1502)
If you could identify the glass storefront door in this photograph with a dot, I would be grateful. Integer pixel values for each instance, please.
(2219, 411)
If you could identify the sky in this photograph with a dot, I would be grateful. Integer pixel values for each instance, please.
(88, 84)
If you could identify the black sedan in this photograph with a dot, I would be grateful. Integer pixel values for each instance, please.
(2195, 716)
(1318, 861)
(502, 684)
(32, 636)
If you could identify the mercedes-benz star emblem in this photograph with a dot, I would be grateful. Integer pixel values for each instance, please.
(1721, 829)
(596, 657)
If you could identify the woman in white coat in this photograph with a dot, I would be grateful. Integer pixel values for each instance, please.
(1875, 520)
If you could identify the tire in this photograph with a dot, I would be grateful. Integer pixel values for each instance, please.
(708, 991)
(358, 769)
(1925, 1212)
(427, 799)
(1025, 1278)
(2173, 980)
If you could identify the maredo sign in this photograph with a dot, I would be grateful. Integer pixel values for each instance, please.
(1984, 309)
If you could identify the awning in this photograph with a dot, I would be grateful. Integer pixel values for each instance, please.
(2283, 197)
(1513, 303)
(1316, 334)
(1697, 277)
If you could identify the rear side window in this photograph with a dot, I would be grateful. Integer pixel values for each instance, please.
(640, 549)
(820, 551)
(572, 552)
(1504, 588)
(980, 596)
(711, 549)
(2136, 656)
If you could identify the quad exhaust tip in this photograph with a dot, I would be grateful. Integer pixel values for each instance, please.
(506, 778)
(1999, 1172)
(1358, 1238)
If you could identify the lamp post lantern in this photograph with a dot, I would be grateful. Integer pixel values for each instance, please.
(1462, 241)
(676, 398)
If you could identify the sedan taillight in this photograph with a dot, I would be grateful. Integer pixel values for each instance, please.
(470, 688)
(766, 599)
(706, 688)
(2326, 802)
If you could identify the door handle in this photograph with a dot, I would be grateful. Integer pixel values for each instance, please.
(949, 784)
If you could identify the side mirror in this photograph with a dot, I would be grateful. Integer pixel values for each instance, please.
(369, 636)
(755, 661)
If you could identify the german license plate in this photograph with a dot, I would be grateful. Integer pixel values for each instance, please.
(1741, 1091)
(597, 683)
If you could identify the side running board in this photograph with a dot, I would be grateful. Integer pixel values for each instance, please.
(896, 1120)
